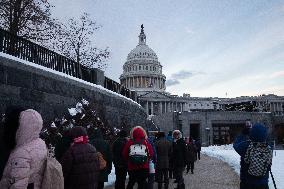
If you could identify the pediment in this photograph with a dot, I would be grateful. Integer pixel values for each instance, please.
(154, 94)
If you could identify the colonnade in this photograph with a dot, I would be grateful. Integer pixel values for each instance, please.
(277, 107)
(164, 106)
(144, 82)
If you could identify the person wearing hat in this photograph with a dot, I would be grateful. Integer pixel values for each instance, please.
(257, 134)
(80, 163)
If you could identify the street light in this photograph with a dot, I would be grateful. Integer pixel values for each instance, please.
(207, 129)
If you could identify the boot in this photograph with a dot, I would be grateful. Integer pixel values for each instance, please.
(159, 185)
(182, 186)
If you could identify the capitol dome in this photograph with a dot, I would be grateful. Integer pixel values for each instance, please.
(142, 71)
(142, 51)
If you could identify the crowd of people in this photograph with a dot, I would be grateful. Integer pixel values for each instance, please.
(86, 158)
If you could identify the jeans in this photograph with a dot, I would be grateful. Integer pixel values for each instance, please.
(163, 177)
(138, 176)
(178, 172)
(120, 173)
(151, 180)
(190, 166)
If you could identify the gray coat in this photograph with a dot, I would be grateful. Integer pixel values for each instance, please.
(164, 152)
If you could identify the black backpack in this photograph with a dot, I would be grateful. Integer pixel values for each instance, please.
(259, 158)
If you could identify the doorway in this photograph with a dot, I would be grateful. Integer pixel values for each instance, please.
(195, 130)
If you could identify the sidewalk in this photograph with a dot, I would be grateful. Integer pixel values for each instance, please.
(209, 173)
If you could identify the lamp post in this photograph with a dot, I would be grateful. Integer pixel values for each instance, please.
(207, 129)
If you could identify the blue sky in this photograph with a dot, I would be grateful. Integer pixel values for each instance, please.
(206, 47)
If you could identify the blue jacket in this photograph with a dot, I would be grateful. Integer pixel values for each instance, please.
(258, 133)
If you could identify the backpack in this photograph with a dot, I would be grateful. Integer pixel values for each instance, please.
(102, 161)
(53, 175)
(259, 158)
(138, 153)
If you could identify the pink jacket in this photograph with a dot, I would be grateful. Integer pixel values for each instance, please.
(26, 162)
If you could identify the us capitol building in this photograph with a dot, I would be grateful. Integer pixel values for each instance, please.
(143, 73)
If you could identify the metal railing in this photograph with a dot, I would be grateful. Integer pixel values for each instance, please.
(27, 50)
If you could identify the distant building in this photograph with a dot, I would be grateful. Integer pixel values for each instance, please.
(142, 72)
(213, 120)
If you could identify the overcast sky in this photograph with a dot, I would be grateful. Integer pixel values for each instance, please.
(206, 47)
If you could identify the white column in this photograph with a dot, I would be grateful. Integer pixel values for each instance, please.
(147, 108)
(152, 108)
(161, 106)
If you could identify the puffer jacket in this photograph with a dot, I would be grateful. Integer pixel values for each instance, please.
(137, 134)
(80, 163)
(258, 133)
(26, 162)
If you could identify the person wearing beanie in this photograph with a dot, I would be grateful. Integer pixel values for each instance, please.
(257, 134)
(80, 163)
(119, 163)
(25, 166)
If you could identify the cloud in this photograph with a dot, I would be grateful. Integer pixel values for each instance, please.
(277, 74)
(171, 82)
(189, 30)
(182, 75)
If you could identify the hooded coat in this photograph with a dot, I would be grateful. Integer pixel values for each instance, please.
(258, 133)
(26, 162)
(137, 134)
(103, 147)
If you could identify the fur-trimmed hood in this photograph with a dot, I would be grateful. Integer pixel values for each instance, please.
(178, 132)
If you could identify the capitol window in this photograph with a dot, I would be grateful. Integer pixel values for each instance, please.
(139, 67)
(146, 67)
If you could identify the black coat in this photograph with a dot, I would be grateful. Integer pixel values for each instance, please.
(164, 150)
(191, 152)
(80, 165)
(179, 153)
(117, 148)
(102, 146)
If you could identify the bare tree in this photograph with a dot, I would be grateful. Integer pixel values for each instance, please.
(27, 18)
(75, 40)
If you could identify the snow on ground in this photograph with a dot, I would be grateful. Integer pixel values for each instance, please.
(227, 154)
(64, 75)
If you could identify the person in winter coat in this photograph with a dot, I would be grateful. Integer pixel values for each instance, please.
(137, 172)
(198, 148)
(26, 163)
(9, 127)
(179, 158)
(164, 152)
(257, 134)
(119, 163)
(103, 147)
(80, 163)
(190, 155)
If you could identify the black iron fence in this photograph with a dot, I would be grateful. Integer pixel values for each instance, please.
(27, 50)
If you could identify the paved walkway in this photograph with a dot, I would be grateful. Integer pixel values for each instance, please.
(209, 173)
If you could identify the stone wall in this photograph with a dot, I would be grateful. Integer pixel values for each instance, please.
(51, 94)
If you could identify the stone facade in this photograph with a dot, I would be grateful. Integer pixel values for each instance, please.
(51, 94)
(203, 124)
